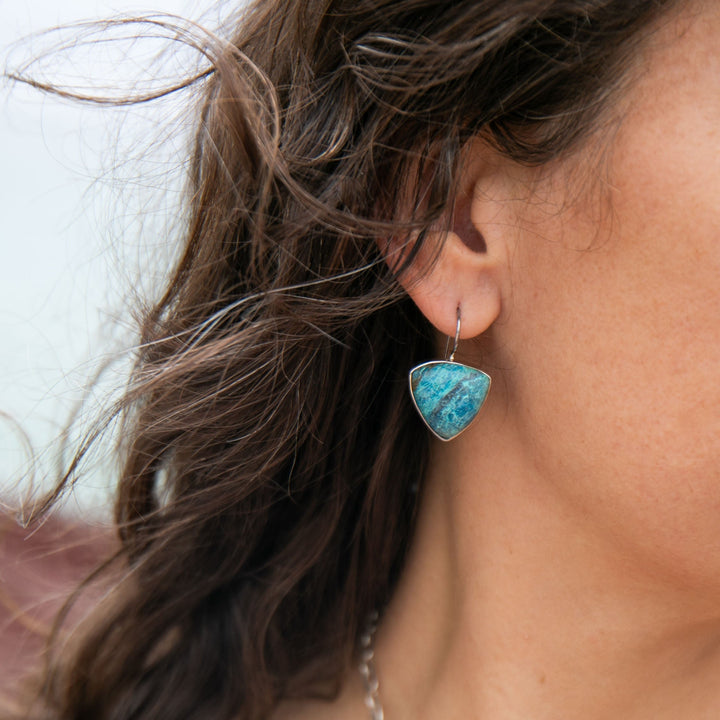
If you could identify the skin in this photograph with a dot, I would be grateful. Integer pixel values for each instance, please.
(567, 557)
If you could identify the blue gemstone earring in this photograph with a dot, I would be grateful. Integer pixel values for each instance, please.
(448, 395)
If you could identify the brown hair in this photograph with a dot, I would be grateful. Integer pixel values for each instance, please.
(271, 454)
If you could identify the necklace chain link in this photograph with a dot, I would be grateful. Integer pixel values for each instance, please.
(367, 667)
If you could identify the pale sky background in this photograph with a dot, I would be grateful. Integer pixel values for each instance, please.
(70, 239)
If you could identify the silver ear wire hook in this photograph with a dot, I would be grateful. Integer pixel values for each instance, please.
(451, 357)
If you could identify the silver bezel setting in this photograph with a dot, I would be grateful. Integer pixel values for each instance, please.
(446, 362)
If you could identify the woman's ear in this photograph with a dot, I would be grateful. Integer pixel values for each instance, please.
(460, 267)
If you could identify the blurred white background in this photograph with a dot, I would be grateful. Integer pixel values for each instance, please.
(78, 218)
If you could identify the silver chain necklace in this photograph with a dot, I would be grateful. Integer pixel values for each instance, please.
(367, 667)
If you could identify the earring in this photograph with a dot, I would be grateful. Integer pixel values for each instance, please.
(448, 395)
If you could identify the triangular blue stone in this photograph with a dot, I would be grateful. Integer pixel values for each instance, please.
(448, 395)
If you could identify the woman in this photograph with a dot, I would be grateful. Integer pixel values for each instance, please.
(536, 180)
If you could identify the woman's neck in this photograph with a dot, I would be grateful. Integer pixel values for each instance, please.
(514, 604)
